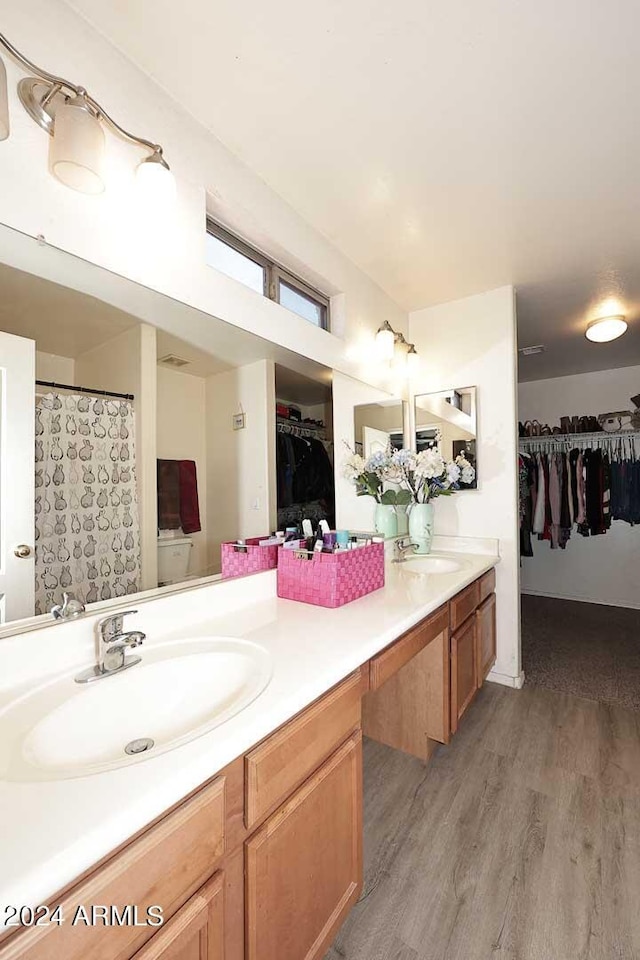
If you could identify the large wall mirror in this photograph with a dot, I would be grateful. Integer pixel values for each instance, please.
(135, 439)
(378, 425)
(448, 420)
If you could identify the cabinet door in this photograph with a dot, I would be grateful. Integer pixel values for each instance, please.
(463, 670)
(304, 865)
(196, 932)
(486, 637)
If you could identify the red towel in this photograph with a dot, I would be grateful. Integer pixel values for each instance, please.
(189, 509)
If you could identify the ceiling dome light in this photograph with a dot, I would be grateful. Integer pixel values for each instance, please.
(385, 341)
(77, 147)
(155, 183)
(605, 329)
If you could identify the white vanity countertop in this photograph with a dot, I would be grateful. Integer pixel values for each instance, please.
(55, 830)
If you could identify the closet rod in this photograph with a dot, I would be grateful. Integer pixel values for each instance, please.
(68, 386)
(580, 437)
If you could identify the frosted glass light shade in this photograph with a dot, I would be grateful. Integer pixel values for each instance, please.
(77, 148)
(155, 184)
(413, 361)
(385, 342)
(606, 329)
(4, 103)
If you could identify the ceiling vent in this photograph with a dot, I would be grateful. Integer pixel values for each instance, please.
(172, 360)
(531, 351)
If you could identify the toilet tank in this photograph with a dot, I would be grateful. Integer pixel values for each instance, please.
(173, 559)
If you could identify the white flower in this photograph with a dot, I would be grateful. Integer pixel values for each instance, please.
(453, 472)
(429, 464)
(468, 474)
(404, 458)
(353, 467)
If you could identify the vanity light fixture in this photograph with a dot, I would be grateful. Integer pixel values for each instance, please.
(4, 103)
(385, 341)
(605, 329)
(75, 122)
(413, 359)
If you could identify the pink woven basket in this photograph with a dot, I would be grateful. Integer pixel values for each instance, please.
(238, 563)
(330, 579)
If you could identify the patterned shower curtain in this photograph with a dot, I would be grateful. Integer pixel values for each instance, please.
(87, 532)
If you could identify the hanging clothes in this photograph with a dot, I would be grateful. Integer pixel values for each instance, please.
(587, 488)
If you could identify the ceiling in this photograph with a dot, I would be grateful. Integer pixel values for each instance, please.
(446, 148)
(62, 321)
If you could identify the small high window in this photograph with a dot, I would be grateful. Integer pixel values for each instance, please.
(239, 260)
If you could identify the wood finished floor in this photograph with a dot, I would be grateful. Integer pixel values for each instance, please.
(519, 841)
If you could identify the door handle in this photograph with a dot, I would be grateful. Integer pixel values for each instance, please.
(22, 551)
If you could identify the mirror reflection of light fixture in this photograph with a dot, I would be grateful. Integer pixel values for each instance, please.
(605, 329)
(75, 121)
(400, 352)
(4, 103)
(413, 359)
(385, 341)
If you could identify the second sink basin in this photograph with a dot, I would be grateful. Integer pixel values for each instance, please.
(429, 563)
(178, 692)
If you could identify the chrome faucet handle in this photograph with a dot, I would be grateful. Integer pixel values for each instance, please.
(111, 627)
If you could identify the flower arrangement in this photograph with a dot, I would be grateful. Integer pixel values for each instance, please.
(371, 474)
(427, 474)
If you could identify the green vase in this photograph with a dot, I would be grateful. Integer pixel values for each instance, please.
(421, 526)
(386, 520)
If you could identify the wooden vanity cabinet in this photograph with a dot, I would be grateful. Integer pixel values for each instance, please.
(196, 932)
(464, 670)
(304, 864)
(486, 637)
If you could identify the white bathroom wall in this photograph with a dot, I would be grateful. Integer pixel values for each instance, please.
(182, 435)
(472, 342)
(162, 249)
(127, 364)
(241, 492)
(50, 366)
(600, 569)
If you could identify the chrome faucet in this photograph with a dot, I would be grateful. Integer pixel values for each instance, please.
(401, 548)
(69, 609)
(113, 645)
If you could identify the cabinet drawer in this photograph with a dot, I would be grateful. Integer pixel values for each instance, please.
(487, 584)
(385, 664)
(463, 605)
(197, 930)
(163, 866)
(278, 765)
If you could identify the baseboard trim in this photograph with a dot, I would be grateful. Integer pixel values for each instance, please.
(566, 596)
(506, 680)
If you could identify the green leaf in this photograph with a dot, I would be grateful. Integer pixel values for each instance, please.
(389, 497)
(403, 498)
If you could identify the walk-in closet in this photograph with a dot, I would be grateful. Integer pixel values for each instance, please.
(579, 478)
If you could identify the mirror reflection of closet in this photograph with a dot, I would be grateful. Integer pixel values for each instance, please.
(304, 449)
(447, 420)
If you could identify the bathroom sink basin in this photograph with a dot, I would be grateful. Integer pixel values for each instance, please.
(432, 564)
(178, 692)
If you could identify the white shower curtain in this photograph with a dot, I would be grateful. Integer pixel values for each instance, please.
(87, 532)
